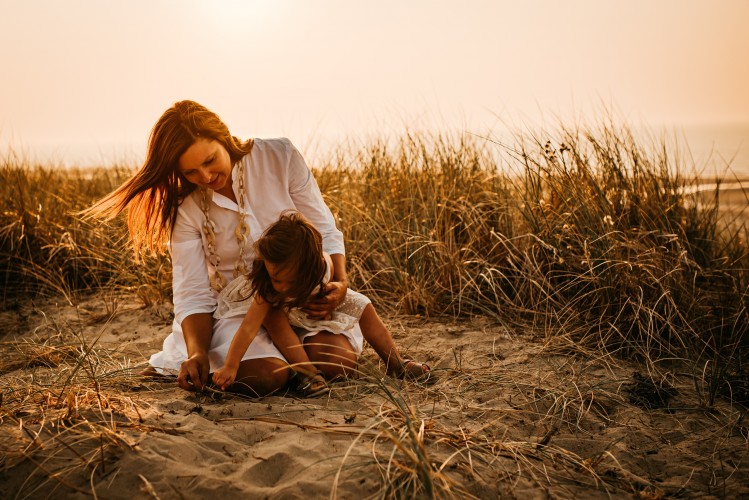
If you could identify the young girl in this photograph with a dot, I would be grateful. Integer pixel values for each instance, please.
(290, 269)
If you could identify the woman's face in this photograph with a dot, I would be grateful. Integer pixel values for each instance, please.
(207, 164)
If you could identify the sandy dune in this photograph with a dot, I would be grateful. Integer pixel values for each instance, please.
(511, 415)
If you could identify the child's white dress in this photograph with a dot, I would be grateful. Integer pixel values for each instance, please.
(235, 300)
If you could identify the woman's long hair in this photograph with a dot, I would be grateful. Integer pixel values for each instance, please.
(290, 243)
(153, 194)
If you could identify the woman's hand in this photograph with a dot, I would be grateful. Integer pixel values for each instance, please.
(197, 330)
(224, 376)
(323, 307)
(193, 372)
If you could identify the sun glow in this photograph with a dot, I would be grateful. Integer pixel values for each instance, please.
(239, 15)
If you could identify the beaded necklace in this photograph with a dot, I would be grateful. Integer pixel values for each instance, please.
(241, 232)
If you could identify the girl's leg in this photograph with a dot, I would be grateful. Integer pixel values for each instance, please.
(286, 340)
(379, 337)
(376, 333)
(331, 353)
(261, 376)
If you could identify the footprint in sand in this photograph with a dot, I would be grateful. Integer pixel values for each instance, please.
(270, 471)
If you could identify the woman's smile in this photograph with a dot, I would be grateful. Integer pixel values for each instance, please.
(216, 183)
(206, 163)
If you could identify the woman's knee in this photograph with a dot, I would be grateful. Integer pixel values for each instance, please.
(259, 377)
(332, 354)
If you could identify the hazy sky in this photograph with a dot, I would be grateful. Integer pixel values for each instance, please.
(86, 79)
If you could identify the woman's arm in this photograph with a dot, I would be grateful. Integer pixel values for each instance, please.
(224, 376)
(307, 198)
(193, 299)
(197, 330)
(339, 269)
(335, 291)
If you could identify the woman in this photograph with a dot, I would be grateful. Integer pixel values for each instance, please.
(211, 196)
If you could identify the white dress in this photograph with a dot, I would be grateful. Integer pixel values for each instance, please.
(276, 179)
(235, 300)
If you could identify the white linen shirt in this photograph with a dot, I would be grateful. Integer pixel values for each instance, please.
(276, 179)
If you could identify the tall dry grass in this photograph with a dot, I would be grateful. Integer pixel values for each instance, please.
(45, 250)
(588, 235)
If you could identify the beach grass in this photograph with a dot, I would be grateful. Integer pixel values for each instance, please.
(599, 241)
(605, 248)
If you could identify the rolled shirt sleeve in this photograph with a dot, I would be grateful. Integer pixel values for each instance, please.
(308, 199)
(192, 292)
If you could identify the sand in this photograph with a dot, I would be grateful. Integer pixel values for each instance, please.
(511, 415)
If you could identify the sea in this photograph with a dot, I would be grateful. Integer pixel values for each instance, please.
(715, 150)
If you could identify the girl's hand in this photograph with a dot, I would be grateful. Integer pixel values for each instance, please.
(323, 307)
(224, 377)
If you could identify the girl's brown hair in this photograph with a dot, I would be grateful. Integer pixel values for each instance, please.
(153, 194)
(291, 243)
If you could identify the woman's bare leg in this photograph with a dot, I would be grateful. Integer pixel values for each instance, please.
(331, 353)
(261, 376)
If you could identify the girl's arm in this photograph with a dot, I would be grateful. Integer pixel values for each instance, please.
(224, 376)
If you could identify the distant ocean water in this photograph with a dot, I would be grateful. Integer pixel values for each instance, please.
(713, 150)
(709, 151)
(716, 150)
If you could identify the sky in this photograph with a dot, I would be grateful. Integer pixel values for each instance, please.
(83, 81)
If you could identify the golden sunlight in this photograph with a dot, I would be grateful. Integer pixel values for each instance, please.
(238, 15)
